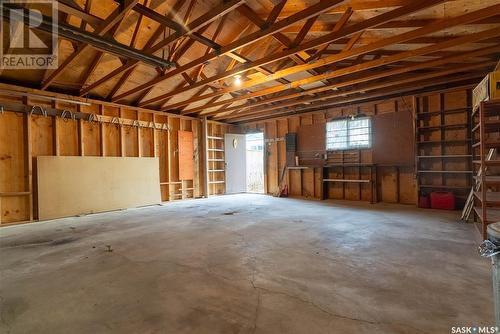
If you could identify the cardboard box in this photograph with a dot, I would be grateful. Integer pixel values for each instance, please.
(488, 89)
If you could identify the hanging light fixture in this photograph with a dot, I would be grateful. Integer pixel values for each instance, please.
(237, 80)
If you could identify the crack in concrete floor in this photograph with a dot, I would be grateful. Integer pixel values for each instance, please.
(279, 273)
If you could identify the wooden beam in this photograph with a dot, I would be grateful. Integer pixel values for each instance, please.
(326, 27)
(97, 58)
(109, 23)
(339, 25)
(365, 66)
(71, 8)
(347, 31)
(437, 26)
(199, 23)
(275, 12)
(358, 5)
(412, 88)
(175, 8)
(361, 89)
(162, 19)
(354, 81)
(244, 41)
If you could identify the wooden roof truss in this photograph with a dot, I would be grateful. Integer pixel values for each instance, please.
(291, 56)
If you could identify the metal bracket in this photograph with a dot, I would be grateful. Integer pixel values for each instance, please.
(68, 112)
(116, 120)
(92, 118)
(43, 112)
(488, 249)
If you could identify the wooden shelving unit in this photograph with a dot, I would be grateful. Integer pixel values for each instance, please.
(486, 162)
(215, 163)
(443, 145)
(360, 173)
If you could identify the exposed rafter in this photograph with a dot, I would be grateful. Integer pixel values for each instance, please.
(347, 31)
(437, 26)
(290, 56)
(246, 40)
(195, 25)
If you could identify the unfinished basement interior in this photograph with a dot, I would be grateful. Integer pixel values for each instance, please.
(250, 166)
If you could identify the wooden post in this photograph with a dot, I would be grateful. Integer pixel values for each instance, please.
(482, 152)
(28, 172)
(204, 143)
(55, 133)
(139, 141)
(122, 134)
(81, 146)
(101, 131)
(415, 104)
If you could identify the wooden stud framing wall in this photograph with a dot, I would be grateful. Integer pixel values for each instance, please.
(23, 137)
(393, 184)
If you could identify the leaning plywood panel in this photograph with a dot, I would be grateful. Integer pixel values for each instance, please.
(186, 160)
(70, 186)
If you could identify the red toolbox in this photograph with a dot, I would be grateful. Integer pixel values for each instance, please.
(442, 200)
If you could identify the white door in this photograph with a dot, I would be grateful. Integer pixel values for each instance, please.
(235, 156)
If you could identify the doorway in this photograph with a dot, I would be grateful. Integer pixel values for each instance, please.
(255, 162)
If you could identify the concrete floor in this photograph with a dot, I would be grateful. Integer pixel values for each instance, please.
(245, 264)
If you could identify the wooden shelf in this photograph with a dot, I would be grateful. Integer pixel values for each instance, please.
(443, 156)
(297, 167)
(443, 186)
(451, 141)
(492, 144)
(492, 198)
(485, 202)
(491, 108)
(446, 171)
(435, 153)
(492, 126)
(15, 193)
(492, 180)
(446, 112)
(350, 165)
(492, 214)
(347, 180)
(488, 162)
(440, 127)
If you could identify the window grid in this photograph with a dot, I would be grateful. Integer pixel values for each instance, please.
(348, 134)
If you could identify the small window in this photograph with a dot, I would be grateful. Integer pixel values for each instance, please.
(349, 134)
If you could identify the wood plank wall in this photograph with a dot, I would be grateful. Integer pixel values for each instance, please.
(24, 137)
(394, 184)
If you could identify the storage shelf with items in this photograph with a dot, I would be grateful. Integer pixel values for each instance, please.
(443, 146)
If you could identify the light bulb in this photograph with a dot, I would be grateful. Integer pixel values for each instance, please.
(237, 80)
